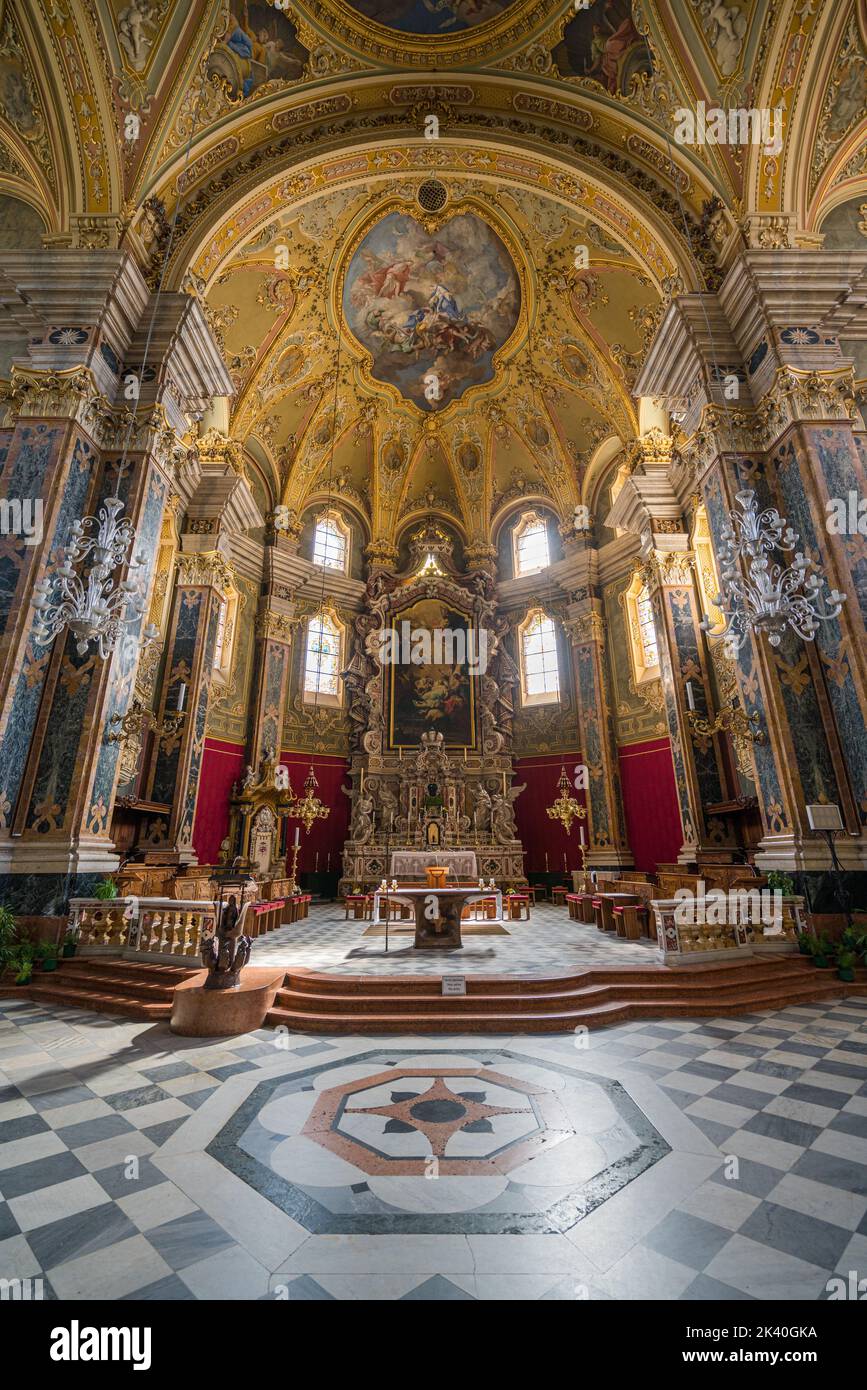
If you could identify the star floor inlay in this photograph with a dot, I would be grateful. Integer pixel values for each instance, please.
(400, 1143)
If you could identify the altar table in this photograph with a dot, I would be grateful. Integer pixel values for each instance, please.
(411, 863)
(437, 913)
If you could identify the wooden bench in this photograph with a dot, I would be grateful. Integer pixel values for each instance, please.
(361, 905)
(517, 906)
(264, 917)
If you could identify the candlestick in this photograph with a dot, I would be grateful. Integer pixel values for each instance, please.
(690, 698)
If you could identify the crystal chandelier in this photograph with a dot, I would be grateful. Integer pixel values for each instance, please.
(772, 597)
(93, 607)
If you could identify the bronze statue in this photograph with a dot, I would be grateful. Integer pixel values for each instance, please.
(227, 951)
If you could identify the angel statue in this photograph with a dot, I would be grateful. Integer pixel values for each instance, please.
(503, 815)
(226, 952)
(482, 812)
(361, 828)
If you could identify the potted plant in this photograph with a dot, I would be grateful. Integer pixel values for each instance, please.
(7, 936)
(819, 947)
(779, 882)
(824, 952)
(804, 939)
(70, 943)
(106, 889)
(49, 956)
(846, 961)
(22, 963)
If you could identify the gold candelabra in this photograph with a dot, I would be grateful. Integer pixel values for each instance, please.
(565, 808)
(293, 875)
(137, 716)
(309, 808)
(583, 848)
(731, 720)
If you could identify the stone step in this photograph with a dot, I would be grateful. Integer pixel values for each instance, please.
(642, 980)
(363, 1013)
(134, 989)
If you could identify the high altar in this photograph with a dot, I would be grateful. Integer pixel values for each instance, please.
(431, 765)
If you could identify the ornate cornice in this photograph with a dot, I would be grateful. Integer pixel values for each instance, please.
(206, 569)
(793, 396)
(587, 627)
(381, 554)
(275, 627)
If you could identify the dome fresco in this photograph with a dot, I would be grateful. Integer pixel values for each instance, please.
(432, 308)
(430, 18)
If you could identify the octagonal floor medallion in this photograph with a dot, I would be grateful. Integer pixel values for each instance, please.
(433, 1143)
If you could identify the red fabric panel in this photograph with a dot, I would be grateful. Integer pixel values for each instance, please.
(222, 764)
(326, 836)
(537, 832)
(650, 803)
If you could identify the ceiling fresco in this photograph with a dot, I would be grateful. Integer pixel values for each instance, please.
(433, 18)
(432, 308)
(603, 43)
(304, 125)
(260, 46)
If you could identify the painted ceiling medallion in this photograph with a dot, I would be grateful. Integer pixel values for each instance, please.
(431, 308)
(430, 18)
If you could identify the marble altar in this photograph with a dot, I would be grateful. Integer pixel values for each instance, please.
(437, 913)
(411, 863)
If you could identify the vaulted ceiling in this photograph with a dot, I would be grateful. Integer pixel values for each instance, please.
(260, 143)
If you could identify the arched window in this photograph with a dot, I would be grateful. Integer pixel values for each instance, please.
(641, 630)
(224, 646)
(540, 670)
(705, 562)
(647, 629)
(331, 542)
(530, 544)
(322, 659)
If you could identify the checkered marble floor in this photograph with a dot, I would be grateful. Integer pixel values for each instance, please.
(137, 1165)
(550, 943)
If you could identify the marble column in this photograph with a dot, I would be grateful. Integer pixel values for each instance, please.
(274, 632)
(606, 824)
(778, 327)
(202, 579)
(699, 773)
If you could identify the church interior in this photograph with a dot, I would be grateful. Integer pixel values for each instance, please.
(433, 676)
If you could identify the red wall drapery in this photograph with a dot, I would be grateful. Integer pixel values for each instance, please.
(537, 832)
(223, 763)
(650, 803)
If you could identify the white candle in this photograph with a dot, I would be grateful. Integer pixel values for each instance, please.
(297, 833)
(564, 863)
(581, 828)
(182, 695)
(690, 698)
